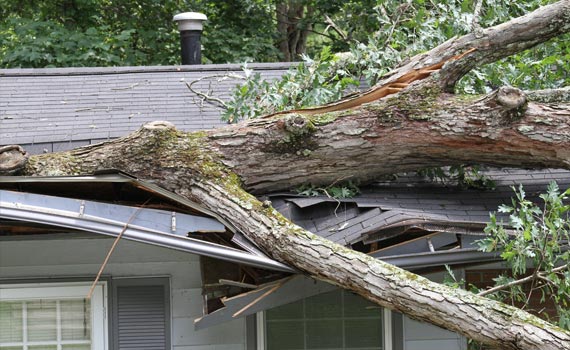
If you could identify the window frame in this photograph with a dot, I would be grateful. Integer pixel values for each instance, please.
(67, 290)
(388, 330)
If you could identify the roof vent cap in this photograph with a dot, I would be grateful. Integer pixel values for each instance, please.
(190, 20)
(190, 27)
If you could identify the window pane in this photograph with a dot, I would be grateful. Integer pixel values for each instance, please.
(76, 347)
(75, 319)
(286, 312)
(324, 305)
(364, 333)
(357, 306)
(42, 320)
(42, 347)
(285, 335)
(334, 320)
(10, 322)
(11, 347)
(324, 334)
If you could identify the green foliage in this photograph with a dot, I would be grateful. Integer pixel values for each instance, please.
(465, 176)
(336, 191)
(417, 26)
(450, 280)
(87, 33)
(377, 36)
(239, 31)
(402, 30)
(36, 44)
(539, 237)
(110, 33)
(538, 68)
(312, 82)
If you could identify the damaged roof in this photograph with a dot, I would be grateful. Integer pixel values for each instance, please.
(400, 212)
(62, 108)
(407, 221)
(117, 204)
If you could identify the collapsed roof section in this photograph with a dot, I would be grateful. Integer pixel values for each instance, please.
(116, 204)
(413, 221)
(409, 222)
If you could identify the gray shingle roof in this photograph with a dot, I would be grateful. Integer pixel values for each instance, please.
(62, 108)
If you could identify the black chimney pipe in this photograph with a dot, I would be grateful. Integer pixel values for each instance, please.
(190, 27)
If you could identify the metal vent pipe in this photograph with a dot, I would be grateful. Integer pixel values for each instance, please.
(190, 27)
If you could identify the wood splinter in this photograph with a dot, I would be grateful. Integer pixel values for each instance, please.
(377, 92)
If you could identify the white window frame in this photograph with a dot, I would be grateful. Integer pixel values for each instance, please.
(386, 330)
(61, 291)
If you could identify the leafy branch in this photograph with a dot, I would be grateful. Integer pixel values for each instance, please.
(465, 176)
(537, 236)
(340, 191)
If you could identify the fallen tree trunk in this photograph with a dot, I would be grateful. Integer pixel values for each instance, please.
(183, 163)
(419, 126)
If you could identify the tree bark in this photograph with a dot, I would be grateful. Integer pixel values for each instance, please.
(293, 26)
(407, 131)
(187, 164)
(420, 126)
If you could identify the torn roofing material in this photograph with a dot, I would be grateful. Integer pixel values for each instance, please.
(298, 286)
(424, 226)
(390, 208)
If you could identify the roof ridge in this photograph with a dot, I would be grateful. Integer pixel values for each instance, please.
(71, 71)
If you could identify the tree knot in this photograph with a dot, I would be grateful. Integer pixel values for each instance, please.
(298, 124)
(510, 98)
(510, 102)
(159, 125)
(13, 158)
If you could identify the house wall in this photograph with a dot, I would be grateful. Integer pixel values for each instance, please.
(483, 277)
(424, 336)
(76, 258)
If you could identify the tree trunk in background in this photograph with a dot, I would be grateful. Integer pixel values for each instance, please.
(293, 26)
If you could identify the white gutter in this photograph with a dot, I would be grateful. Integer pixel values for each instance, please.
(57, 211)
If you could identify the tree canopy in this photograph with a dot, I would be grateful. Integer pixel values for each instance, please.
(381, 33)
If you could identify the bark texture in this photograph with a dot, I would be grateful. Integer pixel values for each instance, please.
(187, 165)
(419, 126)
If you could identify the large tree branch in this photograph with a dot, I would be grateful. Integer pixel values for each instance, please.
(456, 57)
(495, 43)
(416, 128)
(186, 164)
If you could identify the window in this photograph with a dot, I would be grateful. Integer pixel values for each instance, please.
(334, 320)
(52, 317)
